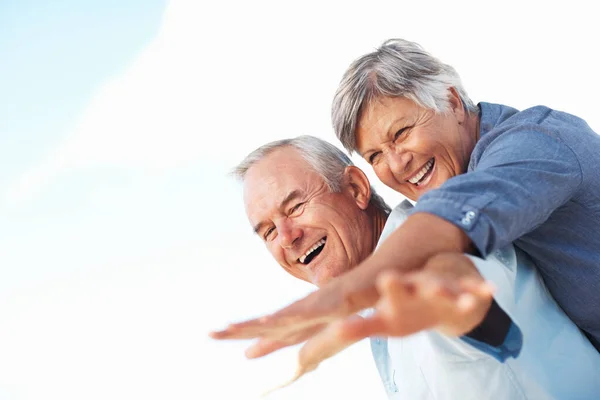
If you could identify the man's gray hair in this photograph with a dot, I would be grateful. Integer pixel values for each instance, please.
(325, 158)
(398, 68)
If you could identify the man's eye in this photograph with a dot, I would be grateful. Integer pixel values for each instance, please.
(268, 233)
(373, 157)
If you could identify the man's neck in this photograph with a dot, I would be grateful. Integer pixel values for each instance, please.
(378, 219)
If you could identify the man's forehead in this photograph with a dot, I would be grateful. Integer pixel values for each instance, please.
(274, 169)
(272, 186)
(271, 180)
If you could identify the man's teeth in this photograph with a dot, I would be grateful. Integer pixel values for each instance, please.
(422, 172)
(313, 248)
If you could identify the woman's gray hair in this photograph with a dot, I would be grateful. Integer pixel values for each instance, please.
(398, 68)
(326, 159)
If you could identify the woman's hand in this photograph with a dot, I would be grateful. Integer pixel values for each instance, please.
(448, 295)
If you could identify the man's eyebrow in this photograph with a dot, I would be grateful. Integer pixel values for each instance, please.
(257, 227)
(294, 194)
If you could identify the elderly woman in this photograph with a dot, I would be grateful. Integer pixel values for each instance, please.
(484, 175)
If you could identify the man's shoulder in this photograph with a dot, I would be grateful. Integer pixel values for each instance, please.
(399, 213)
(395, 219)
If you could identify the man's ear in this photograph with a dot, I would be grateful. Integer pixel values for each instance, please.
(359, 186)
(456, 105)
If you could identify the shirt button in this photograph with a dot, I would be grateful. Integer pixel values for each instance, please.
(466, 221)
(470, 214)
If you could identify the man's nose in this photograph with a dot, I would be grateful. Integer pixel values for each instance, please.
(288, 233)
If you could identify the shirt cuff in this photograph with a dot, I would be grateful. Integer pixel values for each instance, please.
(494, 327)
(500, 269)
(466, 213)
(510, 348)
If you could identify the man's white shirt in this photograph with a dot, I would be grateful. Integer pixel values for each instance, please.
(544, 356)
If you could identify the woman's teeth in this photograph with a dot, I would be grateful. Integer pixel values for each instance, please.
(313, 248)
(415, 179)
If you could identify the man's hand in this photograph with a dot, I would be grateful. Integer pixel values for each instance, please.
(447, 294)
(264, 346)
(300, 320)
(356, 289)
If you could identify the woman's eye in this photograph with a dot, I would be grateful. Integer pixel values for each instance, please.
(296, 208)
(373, 157)
(400, 132)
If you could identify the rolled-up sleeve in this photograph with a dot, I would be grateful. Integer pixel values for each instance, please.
(501, 268)
(518, 180)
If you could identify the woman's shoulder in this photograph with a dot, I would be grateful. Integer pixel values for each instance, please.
(498, 118)
(535, 133)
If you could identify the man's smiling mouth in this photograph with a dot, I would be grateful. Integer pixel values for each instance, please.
(314, 251)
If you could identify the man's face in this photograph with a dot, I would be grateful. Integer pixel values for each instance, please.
(314, 234)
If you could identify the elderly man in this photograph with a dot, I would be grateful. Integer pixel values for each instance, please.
(319, 217)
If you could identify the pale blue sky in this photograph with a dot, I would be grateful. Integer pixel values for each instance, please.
(123, 241)
(54, 55)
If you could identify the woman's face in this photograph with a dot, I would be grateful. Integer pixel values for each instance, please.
(413, 149)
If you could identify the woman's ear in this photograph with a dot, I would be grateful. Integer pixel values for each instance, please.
(456, 105)
(359, 186)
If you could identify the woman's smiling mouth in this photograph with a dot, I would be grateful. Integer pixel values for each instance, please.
(424, 173)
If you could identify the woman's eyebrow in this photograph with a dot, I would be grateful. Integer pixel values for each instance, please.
(401, 120)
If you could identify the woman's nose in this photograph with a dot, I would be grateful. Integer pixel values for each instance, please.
(397, 160)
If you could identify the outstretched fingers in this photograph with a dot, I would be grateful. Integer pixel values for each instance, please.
(263, 347)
